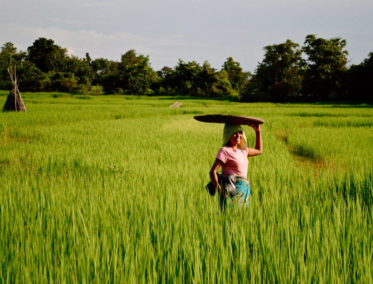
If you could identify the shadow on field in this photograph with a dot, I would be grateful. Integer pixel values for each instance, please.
(327, 104)
(353, 106)
(343, 123)
(301, 153)
(306, 114)
(184, 98)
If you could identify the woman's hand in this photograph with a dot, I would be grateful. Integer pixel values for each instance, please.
(214, 174)
(256, 127)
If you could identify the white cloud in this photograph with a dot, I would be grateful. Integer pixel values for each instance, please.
(161, 50)
(64, 21)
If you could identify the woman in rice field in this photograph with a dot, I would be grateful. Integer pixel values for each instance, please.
(232, 158)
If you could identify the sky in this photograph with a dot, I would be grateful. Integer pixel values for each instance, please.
(200, 30)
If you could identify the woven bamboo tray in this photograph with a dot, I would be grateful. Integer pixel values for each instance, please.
(229, 119)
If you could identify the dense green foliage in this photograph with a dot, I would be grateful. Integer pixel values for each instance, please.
(132, 75)
(316, 71)
(111, 189)
(326, 64)
(192, 79)
(279, 76)
(357, 81)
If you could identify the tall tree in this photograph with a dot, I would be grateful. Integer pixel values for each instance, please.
(9, 48)
(136, 74)
(9, 56)
(279, 76)
(222, 86)
(102, 67)
(186, 77)
(358, 83)
(46, 55)
(81, 69)
(192, 79)
(237, 78)
(165, 84)
(133, 75)
(326, 63)
(105, 74)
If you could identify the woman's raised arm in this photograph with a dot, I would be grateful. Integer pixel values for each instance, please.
(258, 144)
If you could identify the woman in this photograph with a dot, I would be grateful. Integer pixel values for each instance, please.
(232, 158)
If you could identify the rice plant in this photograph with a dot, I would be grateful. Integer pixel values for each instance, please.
(111, 189)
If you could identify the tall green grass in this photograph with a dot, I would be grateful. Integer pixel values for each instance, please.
(111, 189)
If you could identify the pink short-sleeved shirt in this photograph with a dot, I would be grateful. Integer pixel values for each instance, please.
(235, 161)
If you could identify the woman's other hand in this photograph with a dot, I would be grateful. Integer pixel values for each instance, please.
(256, 127)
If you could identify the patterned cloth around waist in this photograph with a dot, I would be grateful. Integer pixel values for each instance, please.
(236, 188)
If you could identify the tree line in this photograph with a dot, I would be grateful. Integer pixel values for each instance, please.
(315, 71)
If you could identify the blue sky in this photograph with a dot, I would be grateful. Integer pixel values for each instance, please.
(198, 30)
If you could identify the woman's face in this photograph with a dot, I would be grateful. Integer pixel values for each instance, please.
(236, 138)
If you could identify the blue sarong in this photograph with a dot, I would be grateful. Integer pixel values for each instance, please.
(235, 188)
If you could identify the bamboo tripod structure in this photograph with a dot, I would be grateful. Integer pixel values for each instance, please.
(14, 100)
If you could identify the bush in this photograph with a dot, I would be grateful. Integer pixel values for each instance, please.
(68, 85)
(5, 85)
(82, 89)
(96, 91)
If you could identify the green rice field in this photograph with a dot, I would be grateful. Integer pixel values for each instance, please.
(110, 189)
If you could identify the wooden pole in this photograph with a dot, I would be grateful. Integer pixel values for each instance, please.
(18, 104)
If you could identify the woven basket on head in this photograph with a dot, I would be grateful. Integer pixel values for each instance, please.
(229, 119)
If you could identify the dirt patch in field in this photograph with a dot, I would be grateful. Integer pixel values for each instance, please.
(302, 155)
(13, 162)
(8, 136)
(315, 164)
(4, 163)
(282, 135)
